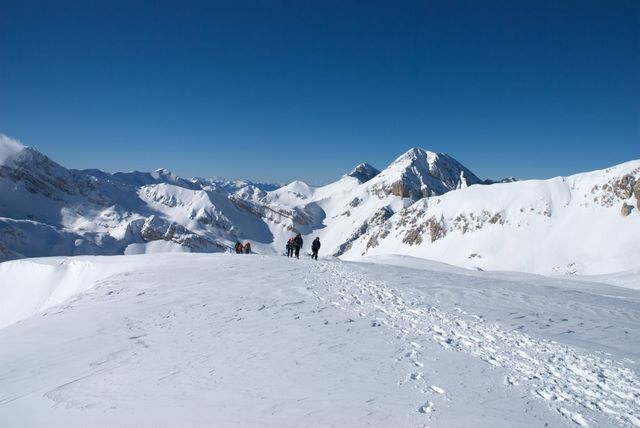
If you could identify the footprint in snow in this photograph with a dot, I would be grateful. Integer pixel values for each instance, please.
(428, 407)
(416, 376)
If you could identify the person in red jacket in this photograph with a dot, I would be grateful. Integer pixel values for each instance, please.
(290, 247)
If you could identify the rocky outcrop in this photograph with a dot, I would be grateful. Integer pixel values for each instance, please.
(626, 209)
(8, 254)
(363, 172)
(435, 227)
(623, 187)
(419, 173)
(377, 219)
(405, 189)
(615, 190)
(156, 228)
(488, 181)
(470, 222)
(40, 175)
(295, 217)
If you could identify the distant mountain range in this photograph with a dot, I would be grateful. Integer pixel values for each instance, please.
(423, 204)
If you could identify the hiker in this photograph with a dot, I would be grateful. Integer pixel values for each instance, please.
(315, 247)
(239, 247)
(247, 248)
(290, 247)
(297, 244)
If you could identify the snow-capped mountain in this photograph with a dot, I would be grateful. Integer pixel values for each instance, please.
(423, 204)
(46, 209)
(586, 223)
(419, 173)
(364, 172)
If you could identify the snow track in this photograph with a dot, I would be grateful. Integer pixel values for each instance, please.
(588, 389)
(252, 341)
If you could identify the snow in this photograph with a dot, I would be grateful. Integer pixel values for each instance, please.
(551, 227)
(9, 149)
(155, 247)
(512, 304)
(424, 204)
(249, 340)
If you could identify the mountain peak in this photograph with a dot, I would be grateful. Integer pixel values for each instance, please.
(419, 173)
(416, 154)
(163, 172)
(363, 172)
(418, 151)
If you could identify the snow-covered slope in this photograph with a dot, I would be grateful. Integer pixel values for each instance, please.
(341, 212)
(423, 204)
(562, 225)
(46, 209)
(204, 340)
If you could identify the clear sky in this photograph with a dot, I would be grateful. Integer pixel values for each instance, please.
(281, 90)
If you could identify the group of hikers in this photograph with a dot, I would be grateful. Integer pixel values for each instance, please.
(243, 249)
(295, 244)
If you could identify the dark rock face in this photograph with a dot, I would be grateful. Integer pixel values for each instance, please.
(503, 180)
(155, 229)
(8, 254)
(40, 175)
(364, 172)
(626, 209)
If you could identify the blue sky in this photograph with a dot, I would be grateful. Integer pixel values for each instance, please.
(279, 90)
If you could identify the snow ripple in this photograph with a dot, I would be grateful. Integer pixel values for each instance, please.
(587, 389)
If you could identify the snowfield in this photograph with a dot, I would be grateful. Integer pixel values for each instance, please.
(186, 339)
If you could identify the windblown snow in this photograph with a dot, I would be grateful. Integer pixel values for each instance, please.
(9, 148)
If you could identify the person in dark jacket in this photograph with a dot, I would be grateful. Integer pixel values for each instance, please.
(315, 247)
(297, 245)
(239, 247)
(247, 248)
(290, 247)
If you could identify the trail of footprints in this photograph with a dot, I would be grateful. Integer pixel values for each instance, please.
(587, 389)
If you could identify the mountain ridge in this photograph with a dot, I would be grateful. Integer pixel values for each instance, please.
(46, 209)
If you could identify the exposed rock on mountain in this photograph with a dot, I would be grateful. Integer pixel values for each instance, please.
(363, 172)
(419, 173)
(377, 219)
(423, 204)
